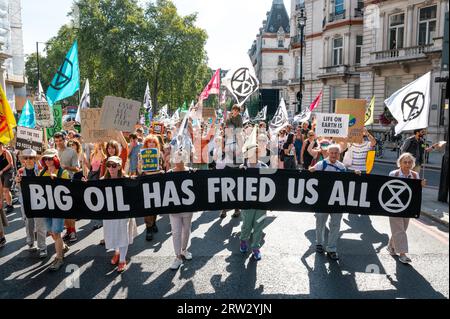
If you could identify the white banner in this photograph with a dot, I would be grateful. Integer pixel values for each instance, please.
(332, 125)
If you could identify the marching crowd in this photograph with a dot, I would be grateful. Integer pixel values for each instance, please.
(194, 145)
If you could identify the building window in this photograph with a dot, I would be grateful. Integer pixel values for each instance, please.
(280, 60)
(392, 84)
(338, 7)
(396, 31)
(427, 25)
(335, 93)
(357, 94)
(280, 43)
(337, 51)
(359, 44)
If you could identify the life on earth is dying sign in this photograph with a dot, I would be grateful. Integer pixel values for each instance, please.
(264, 189)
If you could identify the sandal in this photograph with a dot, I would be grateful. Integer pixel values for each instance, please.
(223, 214)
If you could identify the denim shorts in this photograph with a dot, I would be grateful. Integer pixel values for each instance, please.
(55, 225)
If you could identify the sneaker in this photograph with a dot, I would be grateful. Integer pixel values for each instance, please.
(243, 247)
(66, 236)
(73, 237)
(2, 242)
(256, 254)
(115, 259)
(31, 247)
(149, 235)
(43, 253)
(223, 214)
(56, 264)
(122, 267)
(9, 209)
(97, 226)
(391, 251)
(155, 228)
(186, 255)
(333, 255)
(236, 214)
(176, 264)
(102, 242)
(65, 249)
(404, 259)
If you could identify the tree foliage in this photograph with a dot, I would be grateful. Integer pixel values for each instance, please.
(122, 46)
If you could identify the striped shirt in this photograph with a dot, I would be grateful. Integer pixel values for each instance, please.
(359, 156)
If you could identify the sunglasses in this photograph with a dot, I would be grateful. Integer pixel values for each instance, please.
(26, 158)
(45, 159)
(111, 165)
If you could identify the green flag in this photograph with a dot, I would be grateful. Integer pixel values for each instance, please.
(57, 124)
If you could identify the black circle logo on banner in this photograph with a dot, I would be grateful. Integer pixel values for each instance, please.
(412, 105)
(63, 76)
(243, 83)
(395, 196)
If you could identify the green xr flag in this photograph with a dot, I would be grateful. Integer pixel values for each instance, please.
(57, 124)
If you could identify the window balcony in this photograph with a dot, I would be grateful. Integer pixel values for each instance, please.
(299, 7)
(280, 82)
(334, 71)
(359, 12)
(404, 54)
(16, 80)
(296, 41)
(335, 16)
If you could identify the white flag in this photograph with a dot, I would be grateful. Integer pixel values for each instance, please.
(176, 116)
(280, 119)
(242, 82)
(147, 99)
(85, 101)
(304, 116)
(246, 116)
(410, 105)
(163, 113)
(41, 94)
(262, 115)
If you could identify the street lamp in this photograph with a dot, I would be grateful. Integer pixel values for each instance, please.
(301, 22)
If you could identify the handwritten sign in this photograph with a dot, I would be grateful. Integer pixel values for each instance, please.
(57, 123)
(150, 159)
(29, 138)
(356, 109)
(90, 127)
(43, 113)
(332, 125)
(158, 128)
(119, 114)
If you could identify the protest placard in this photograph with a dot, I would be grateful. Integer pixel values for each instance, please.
(57, 121)
(90, 127)
(332, 125)
(158, 128)
(119, 114)
(150, 159)
(356, 109)
(43, 114)
(29, 138)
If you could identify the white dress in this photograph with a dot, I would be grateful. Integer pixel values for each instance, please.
(119, 232)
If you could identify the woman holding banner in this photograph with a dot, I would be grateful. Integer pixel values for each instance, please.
(150, 142)
(398, 244)
(51, 167)
(118, 233)
(180, 223)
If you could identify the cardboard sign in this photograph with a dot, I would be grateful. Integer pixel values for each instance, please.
(356, 109)
(119, 114)
(332, 125)
(150, 159)
(29, 138)
(44, 116)
(158, 128)
(57, 117)
(90, 127)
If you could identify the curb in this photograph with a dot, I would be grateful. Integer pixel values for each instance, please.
(436, 219)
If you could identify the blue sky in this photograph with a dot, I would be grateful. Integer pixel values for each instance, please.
(232, 25)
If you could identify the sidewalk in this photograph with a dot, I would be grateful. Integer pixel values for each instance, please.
(434, 159)
(432, 208)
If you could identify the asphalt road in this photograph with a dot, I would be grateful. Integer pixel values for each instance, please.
(289, 268)
(431, 175)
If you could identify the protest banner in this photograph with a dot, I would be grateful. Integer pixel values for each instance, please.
(29, 138)
(356, 109)
(90, 127)
(193, 191)
(57, 121)
(43, 113)
(150, 159)
(119, 114)
(158, 128)
(332, 125)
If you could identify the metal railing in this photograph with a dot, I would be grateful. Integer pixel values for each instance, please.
(402, 53)
(336, 16)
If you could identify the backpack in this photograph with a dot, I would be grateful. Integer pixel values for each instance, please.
(59, 174)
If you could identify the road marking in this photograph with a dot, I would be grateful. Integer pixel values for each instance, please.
(432, 231)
